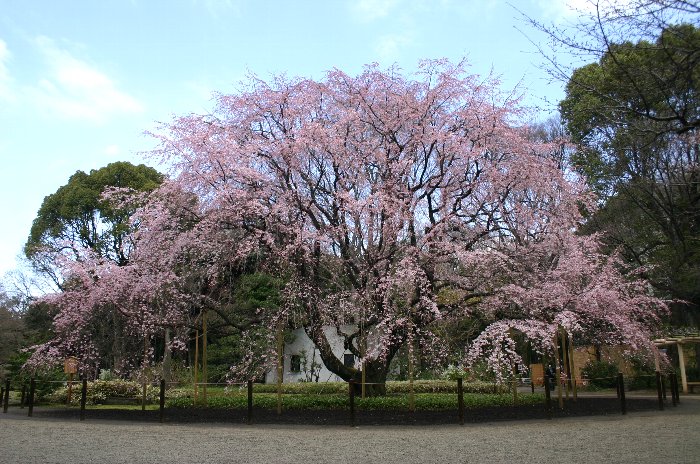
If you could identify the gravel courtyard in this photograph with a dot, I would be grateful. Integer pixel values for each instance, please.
(671, 436)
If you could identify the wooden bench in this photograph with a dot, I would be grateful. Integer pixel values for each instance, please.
(692, 385)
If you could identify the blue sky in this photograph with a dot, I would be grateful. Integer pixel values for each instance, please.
(80, 81)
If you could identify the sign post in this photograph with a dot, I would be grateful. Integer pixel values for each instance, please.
(70, 367)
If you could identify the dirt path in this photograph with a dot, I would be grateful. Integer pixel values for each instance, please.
(643, 437)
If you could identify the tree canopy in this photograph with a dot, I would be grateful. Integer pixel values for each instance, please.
(78, 215)
(12, 333)
(634, 115)
(384, 204)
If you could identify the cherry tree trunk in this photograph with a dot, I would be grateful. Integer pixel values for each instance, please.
(375, 378)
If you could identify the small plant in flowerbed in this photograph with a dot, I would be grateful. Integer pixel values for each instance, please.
(429, 395)
(106, 391)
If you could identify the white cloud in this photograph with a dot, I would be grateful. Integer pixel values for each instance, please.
(5, 80)
(369, 10)
(75, 89)
(388, 47)
(112, 150)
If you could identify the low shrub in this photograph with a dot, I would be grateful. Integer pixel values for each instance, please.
(600, 374)
(104, 391)
(441, 386)
(307, 388)
(423, 401)
(419, 386)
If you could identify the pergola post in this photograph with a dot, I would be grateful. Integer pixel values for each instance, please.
(681, 362)
(657, 363)
(679, 342)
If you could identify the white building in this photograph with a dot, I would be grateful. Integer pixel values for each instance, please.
(302, 361)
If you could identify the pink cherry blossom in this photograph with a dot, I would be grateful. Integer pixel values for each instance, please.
(384, 202)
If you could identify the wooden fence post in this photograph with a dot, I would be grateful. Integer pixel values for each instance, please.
(547, 397)
(621, 390)
(676, 388)
(162, 399)
(83, 399)
(32, 390)
(250, 401)
(460, 400)
(23, 397)
(663, 386)
(6, 396)
(351, 388)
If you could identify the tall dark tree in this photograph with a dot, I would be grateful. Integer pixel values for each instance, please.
(635, 115)
(77, 215)
(12, 334)
(82, 215)
(648, 46)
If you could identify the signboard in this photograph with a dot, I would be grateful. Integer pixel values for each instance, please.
(537, 374)
(70, 365)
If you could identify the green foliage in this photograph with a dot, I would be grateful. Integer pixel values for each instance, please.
(440, 386)
(14, 367)
(47, 380)
(11, 335)
(600, 374)
(242, 296)
(423, 401)
(643, 377)
(38, 322)
(303, 388)
(329, 388)
(105, 391)
(630, 113)
(635, 87)
(453, 372)
(257, 291)
(221, 353)
(693, 373)
(107, 374)
(77, 212)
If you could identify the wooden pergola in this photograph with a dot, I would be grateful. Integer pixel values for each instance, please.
(679, 342)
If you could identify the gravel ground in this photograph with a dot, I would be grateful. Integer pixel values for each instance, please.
(671, 436)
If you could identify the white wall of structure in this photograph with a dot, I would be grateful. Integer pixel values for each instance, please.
(303, 348)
